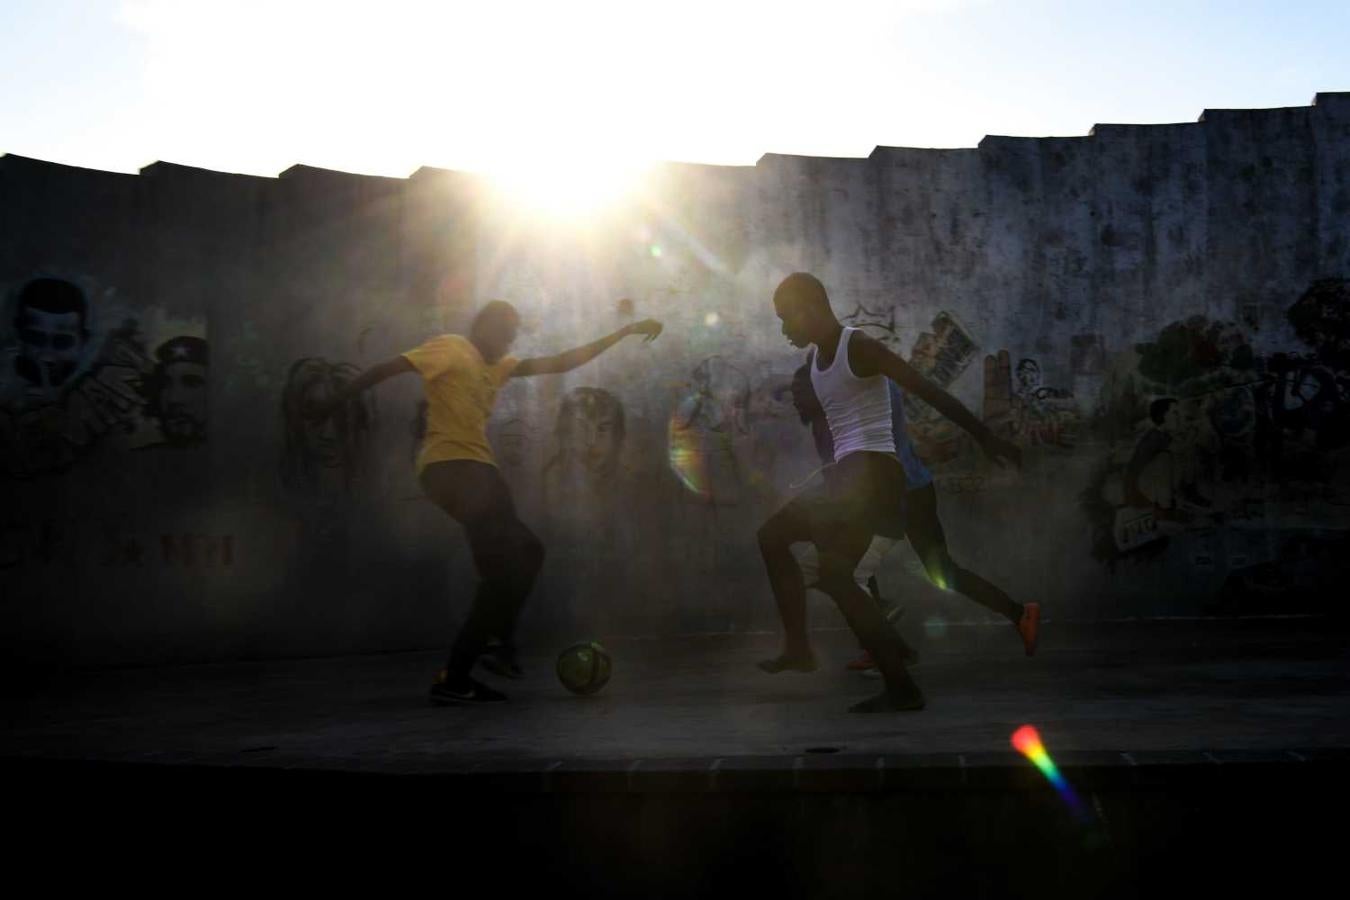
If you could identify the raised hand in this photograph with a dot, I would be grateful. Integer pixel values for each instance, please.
(649, 327)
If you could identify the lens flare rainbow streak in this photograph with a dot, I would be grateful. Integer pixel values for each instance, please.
(1028, 742)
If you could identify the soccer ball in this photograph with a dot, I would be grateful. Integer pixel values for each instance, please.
(584, 668)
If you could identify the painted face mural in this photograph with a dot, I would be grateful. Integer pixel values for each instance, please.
(176, 390)
(68, 389)
(590, 430)
(336, 442)
(50, 331)
(1028, 377)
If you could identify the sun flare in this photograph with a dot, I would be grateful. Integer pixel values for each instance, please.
(567, 188)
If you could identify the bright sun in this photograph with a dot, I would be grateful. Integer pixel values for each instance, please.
(568, 188)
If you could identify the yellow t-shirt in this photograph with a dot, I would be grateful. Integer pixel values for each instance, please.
(461, 388)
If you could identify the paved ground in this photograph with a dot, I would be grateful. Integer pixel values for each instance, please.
(1144, 688)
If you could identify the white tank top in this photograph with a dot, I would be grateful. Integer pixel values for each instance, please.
(858, 410)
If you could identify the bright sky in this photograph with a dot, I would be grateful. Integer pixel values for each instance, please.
(386, 87)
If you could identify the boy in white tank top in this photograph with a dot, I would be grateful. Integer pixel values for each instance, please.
(923, 529)
(864, 488)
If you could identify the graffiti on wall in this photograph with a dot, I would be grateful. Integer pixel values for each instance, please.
(315, 454)
(175, 391)
(66, 386)
(940, 355)
(777, 458)
(1016, 404)
(876, 323)
(706, 426)
(72, 541)
(1020, 407)
(588, 438)
(1216, 446)
(590, 499)
(731, 439)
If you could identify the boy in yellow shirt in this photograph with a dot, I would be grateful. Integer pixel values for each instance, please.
(461, 376)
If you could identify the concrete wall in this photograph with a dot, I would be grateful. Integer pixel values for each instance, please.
(161, 498)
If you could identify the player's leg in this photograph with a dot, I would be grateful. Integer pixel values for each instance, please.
(866, 576)
(508, 556)
(788, 526)
(842, 546)
(930, 543)
(470, 494)
(892, 611)
(867, 492)
(526, 552)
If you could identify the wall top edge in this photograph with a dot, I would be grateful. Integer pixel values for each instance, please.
(161, 168)
(1321, 98)
(300, 170)
(1120, 128)
(1224, 113)
(14, 161)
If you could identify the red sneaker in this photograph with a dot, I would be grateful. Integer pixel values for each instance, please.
(1029, 627)
(864, 663)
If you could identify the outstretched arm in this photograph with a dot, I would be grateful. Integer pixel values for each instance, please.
(369, 378)
(566, 362)
(869, 357)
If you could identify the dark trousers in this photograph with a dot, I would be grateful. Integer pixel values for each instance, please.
(506, 553)
(924, 530)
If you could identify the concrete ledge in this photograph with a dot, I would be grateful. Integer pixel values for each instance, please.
(848, 774)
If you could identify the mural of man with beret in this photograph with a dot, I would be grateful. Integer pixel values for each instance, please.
(175, 390)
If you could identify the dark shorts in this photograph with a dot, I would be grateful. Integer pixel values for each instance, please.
(863, 491)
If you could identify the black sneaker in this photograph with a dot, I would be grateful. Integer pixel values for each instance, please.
(444, 693)
(501, 662)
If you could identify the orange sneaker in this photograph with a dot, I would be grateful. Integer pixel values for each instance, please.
(864, 663)
(1029, 627)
